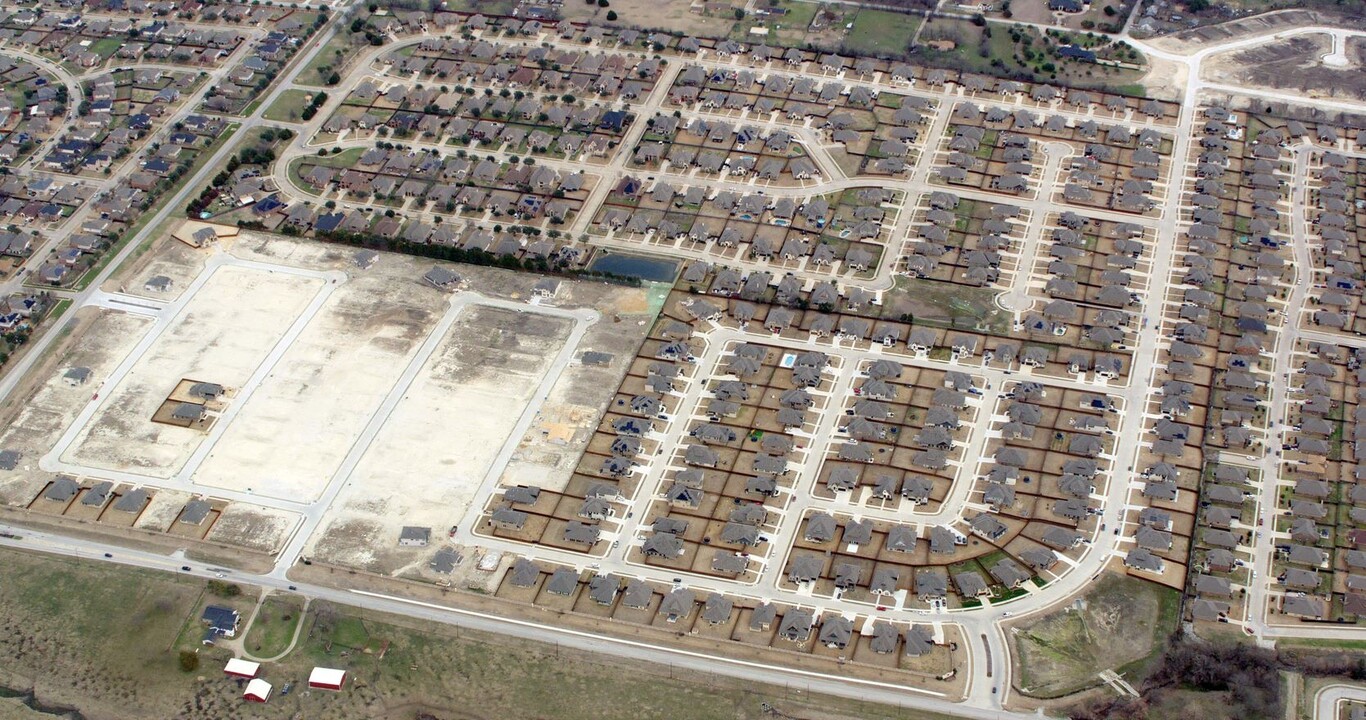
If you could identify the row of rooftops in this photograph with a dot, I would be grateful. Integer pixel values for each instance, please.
(796, 624)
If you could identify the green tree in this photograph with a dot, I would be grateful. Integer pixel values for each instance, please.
(611, 15)
(189, 661)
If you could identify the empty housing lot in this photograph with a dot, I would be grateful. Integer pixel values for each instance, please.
(302, 420)
(427, 462)
(325, 374)
(222, 336)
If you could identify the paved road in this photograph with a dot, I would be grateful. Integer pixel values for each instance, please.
(1329, 700)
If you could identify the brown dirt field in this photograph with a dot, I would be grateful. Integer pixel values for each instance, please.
(1189, 41)
(1292, 65)
(47, 364)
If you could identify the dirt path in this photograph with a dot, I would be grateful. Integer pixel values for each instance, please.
(298, 631)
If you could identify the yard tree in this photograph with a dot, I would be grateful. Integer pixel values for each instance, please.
(189, 661)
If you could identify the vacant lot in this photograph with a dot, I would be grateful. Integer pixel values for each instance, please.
(1118, 623)
(1019, 52)
(289, 439)
(945, 304)
(274, 625)
(100, 343)
(879, 32)
(419, 470)
(222, 336)
(289, 106)
(94, 636)
(335, 56)
(1294, 64)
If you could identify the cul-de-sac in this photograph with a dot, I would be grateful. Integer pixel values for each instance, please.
(484, 359)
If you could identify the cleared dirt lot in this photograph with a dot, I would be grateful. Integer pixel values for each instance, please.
(436, 447)
(550, 449)
(222, 336)
(1293, 64)
(289, 439)
(99, 344)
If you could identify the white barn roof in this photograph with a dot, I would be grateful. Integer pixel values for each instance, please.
(242, 668)
(258, 690)
(326, 677)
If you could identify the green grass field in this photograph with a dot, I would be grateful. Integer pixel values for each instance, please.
(274, 625)
(104, 47)
(331, 57)
(880, 32)
(288, 106)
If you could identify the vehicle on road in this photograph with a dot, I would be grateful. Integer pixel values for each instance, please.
(109, 555)
(185, 568)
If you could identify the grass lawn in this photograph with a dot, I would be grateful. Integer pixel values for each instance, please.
(943, 304)
(331, 57)
(104, 47)
(790, 29)
(289, 106)
(274, 625)
(878, 32)
(1322, 644)
(58, 309)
